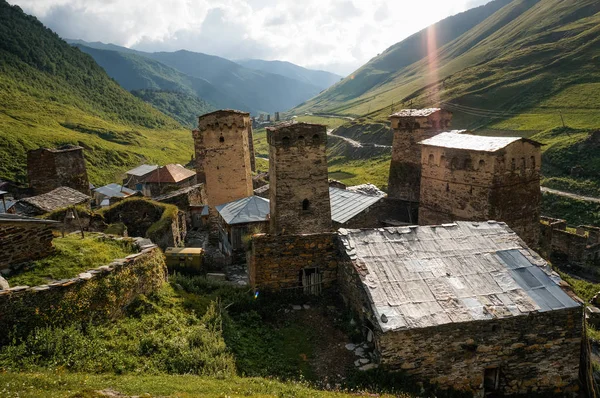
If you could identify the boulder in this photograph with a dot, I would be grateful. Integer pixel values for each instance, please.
(3, 284)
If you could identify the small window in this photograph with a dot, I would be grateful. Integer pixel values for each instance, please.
(305, 205)
(523, 164)
(416, 125)
(513, 164)
(533, 162)
(316, 139)
(447, 187)
(431, 159)
(285, 141)
(467, 164)
(481, 164)
(443, 161)
(491, 380)
(221, 139)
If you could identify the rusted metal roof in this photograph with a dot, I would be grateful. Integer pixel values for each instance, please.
(346, 205)
(415, 112)
(171, 173)
(456, 140)
(423, 276)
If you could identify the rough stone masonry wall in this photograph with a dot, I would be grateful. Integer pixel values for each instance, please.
(405, 166)
(298, 175)
(460, 184)
(275, 262)
(48, 169)
(223, 157)
(576, 248)
(95, 295)
(535, 353)
(23, 241)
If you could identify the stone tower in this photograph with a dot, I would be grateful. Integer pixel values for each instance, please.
(475, 178)
(299, 188)
(223, 156)
(410, 126)
(50, 168)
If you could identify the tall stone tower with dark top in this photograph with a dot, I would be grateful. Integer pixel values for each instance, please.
(50, 168)
(223, 156)
(299, 188)
(411, 126)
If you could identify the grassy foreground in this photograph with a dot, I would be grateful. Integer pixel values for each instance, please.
(61, 384)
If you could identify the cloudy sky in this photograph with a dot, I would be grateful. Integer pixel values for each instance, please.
(334, 35)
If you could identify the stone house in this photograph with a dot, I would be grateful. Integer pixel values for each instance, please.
(136, 176)
(51, 168)
(24, 239)
(580, 246)
(353, 209)
(466, 306)
(56, 199)
(410, 126)
(188, 200)
(477, 178)
(111, 194)
(166, 179)
(239, 218)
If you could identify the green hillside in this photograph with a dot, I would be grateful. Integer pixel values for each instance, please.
(52, 94)
(182, 107)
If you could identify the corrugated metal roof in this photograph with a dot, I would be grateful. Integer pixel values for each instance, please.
(245, 210)
(472, 142)
(415, 112)
(115, 191)
(347, 204)
(425, 276)
(142, 170)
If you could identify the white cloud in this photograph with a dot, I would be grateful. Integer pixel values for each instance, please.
(336, 35)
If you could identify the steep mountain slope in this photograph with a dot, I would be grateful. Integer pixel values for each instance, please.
(52, 94)
(182, 107)
(523, 60)
(135, 71)
(319, 78)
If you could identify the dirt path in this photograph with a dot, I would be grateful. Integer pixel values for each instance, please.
(570, 195)
(355, 144)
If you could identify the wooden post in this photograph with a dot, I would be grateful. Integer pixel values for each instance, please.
(78, 222)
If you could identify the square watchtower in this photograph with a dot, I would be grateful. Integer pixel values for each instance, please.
(299, 188)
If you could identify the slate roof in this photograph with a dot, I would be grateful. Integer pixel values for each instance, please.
(171, 173)
(115, 191)
(424, 276)
(245, 210)
(58, 198)
(415, 112)
(471, 142)
(142, 170)
(347, 204)
(5, 217)
(173, 194)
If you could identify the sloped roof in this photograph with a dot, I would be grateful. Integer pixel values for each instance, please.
(245, 210)
(173, 194)
(423, 276)
(142, 170)
(347, 204)
(171, 173)
(9, 204)
(58, 198)
(415, 112)
(5, 217)
(471, 142)
(115, 191)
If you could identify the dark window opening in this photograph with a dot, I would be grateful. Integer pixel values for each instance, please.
(481, 164)
(221, 139)
(316, 139)
(533, 162)
(467, 164)
(285, 141)
(513, 164)
(416, 125)
(305, 205)
(447, 187)
(431, 159)
(491, 380)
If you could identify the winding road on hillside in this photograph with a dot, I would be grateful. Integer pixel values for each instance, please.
(355, 144)
(570, 195)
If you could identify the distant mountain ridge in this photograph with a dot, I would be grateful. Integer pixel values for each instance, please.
(319, 78)
(220, 82)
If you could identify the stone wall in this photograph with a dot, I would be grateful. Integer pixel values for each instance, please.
(381, 214)
(298, 179)
(276, 262)
(22, 241)
(223, 156)
(535, 354)
(405, 166)
(465, 185)
(48, 169)
(251, 148)
(95, 295)
(579, 247)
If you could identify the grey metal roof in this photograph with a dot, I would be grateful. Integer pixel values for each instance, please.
(456, 140)
(9, 204)
(142, 170)
(115, 191)
(5, 217)
(423, 276)
(415, 112)
(245, 210)
(3, 192)
(347, 204)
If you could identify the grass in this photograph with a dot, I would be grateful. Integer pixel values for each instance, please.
(73, 255)
(575, 212)
(330, 122)
(361, 171)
